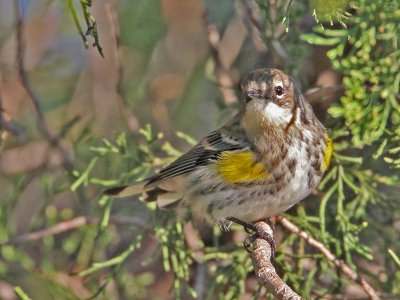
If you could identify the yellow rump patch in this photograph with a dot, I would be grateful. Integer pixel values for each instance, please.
(239, 167)
(327, 154)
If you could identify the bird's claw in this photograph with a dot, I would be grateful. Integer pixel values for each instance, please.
(256, 232)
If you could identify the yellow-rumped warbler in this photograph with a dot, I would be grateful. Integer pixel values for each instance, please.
(271, 155)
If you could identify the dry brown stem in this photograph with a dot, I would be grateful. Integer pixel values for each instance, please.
(7, 124)
(340, 264)
(70, 225)
(130, 119)
(225, 82)
(43, 126)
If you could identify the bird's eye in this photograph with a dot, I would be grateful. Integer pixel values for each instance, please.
(279, 91)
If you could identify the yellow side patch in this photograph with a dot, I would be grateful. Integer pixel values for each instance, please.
(327, 154)
(239, 167)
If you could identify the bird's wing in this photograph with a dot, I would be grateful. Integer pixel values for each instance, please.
(207, 150)
(213, 148)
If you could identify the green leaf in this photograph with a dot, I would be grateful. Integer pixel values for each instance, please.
(380, 150)
(394, 256)
(21, 294)
(314, 39)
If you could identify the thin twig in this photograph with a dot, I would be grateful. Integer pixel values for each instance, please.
(321, 94)
(271, 37)
(70, 225)
(6, 123)
(52, 139)
(9, 125)
(91, 26)
(225, 82)
(43, 126)
(23, 77)
(130, 119)
(200, 282)
(265, 271)
(251, 11)
(340, 264)
(255, 27)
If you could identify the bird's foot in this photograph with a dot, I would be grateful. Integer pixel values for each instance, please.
(256, 232)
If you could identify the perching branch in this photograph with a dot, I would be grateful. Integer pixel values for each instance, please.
(265, 271)
(340, 264)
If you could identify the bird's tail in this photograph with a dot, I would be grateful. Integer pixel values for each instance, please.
(165, 199)
(126, 190)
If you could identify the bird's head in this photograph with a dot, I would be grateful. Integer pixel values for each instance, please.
(273, 100)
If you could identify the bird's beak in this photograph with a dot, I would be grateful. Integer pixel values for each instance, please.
(257, 97)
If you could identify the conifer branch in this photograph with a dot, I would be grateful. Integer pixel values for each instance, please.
(340, 264)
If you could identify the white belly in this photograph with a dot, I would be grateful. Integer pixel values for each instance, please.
(253, 203)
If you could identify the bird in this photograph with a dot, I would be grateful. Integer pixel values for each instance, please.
(269, 156)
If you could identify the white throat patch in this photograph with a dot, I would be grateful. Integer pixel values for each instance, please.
(276, 114)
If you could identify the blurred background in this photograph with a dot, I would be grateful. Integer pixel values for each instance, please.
(74, 120)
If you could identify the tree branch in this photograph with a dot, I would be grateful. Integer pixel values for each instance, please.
(127, 114)
(263, 268)
(70, 225)
(52, 139)
(340, 264)
(225, 82)
(7, 124)
(43, 126)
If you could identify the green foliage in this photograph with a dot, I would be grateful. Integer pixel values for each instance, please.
(367, 55)
(91, 26)
(280, 29)
(21, 294)
(331, 11)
